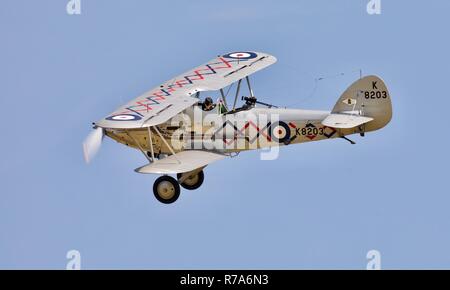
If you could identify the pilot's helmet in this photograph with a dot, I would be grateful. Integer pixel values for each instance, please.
(208, 101)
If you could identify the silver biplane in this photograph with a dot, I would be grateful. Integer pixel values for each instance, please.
(180, 133)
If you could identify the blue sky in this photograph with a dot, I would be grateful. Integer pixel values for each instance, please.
(320, 205)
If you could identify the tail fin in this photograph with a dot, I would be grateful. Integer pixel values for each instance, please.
(366, 101)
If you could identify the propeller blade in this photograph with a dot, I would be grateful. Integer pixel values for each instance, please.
(92, 143)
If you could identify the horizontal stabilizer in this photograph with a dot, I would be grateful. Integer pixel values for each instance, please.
(184, 161)
(345, 121)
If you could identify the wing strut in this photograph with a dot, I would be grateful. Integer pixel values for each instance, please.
(224, 98)
(237, 94)
(249, 86)
(167, 144)
(151, 143)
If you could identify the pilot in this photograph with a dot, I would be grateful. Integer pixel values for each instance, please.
(208, 104)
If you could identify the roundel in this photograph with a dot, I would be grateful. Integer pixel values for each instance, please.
(241, 55)
(280, 132)
(124, 117)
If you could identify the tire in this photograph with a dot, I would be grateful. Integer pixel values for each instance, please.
(193, 182)
(166, 189)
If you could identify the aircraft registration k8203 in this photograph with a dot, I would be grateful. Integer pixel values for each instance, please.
(180, 131)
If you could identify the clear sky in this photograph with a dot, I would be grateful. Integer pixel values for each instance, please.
(320, 205)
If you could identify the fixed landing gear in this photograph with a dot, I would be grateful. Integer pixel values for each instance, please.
(167, 189)
(191, 181)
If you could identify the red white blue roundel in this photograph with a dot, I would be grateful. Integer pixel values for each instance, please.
(241, 55)
(280, 132)
(124, 117)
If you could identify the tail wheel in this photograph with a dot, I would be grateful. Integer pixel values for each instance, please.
(166, 189)
(193, 181)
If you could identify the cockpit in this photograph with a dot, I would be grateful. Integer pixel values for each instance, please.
(220, 106)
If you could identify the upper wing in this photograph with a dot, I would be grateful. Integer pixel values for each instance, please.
(162, 103)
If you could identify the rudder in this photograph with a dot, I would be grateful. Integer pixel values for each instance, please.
(368, 97)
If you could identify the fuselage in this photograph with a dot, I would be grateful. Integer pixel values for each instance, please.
(250, 129)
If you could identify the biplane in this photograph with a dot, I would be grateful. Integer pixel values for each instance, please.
(180, 129)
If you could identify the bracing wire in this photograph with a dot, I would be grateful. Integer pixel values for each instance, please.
(322, 78)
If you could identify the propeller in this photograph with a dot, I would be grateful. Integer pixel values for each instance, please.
(92, 143)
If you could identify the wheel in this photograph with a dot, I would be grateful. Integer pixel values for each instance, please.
(193, 181)
(166, 189)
